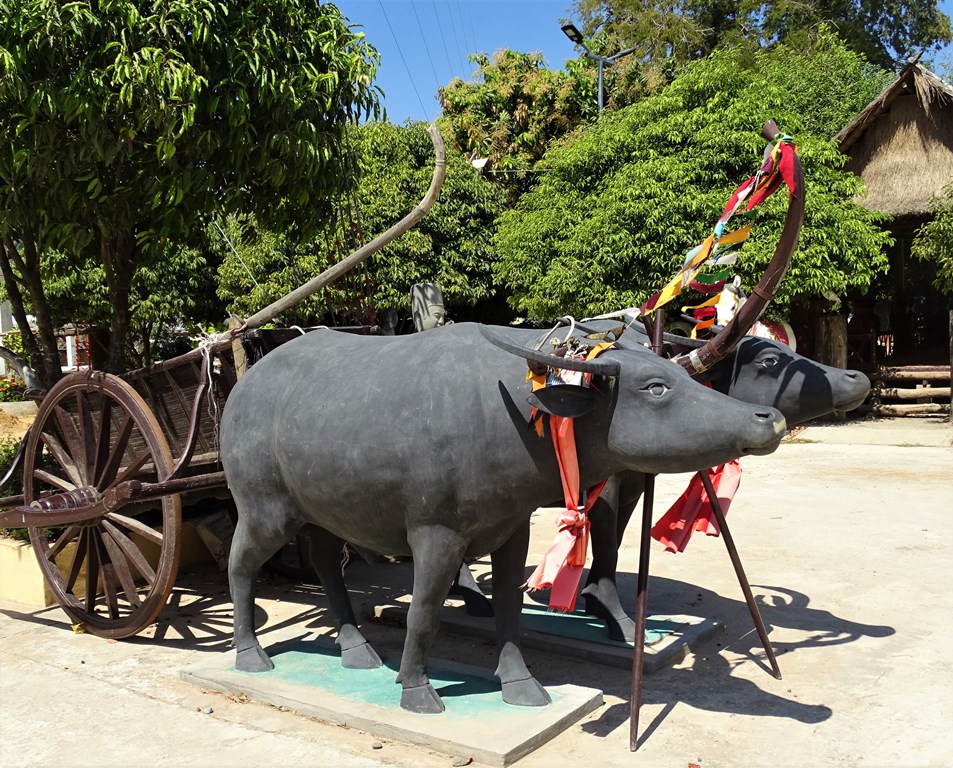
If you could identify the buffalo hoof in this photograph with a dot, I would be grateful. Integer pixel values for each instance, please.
(253, 660)
(526, 693)
(475, 603)
(422, 699)
(619, 627)
(360, 657)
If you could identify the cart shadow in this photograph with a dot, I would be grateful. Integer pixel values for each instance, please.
(199, 615)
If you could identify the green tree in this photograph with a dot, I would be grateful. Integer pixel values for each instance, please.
(514, 109)
(934, 242)
(451, 245)
(127, 125)
(625, 200)
(171, 295)
(675, 31)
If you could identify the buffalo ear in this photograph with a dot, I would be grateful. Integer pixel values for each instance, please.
(566, 400)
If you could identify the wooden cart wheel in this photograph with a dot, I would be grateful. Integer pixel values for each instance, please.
(113, 573)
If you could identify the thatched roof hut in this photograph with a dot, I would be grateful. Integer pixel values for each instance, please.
(901, 144)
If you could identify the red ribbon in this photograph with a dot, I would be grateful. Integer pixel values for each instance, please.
(692, 512)
(562, 565)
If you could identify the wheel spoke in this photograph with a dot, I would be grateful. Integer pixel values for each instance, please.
(131, 551)
(111, 465)
(102, 438)
(67, 536)
(67, 426)
(56, 482)
(121, 567)
(62, 457)
(87, 435)
(109, 577)
(131, 470)
(78, 557)
(137, 526)
(92, 572)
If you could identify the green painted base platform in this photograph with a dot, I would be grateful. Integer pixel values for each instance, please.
(667, 638)
(308, 677)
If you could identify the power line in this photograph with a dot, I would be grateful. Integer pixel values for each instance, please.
(443, 37)
(456, 40)
(426, 47)
(473, 44)
(410, 75)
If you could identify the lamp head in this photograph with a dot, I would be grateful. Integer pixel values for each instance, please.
(573, 34)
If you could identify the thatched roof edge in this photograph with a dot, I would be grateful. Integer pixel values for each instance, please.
(928, 86)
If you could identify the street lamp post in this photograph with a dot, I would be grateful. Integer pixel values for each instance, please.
(576, 36)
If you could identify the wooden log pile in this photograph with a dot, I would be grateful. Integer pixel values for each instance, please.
(911, 390)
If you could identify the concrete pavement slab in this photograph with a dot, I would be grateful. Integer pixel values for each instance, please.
(308, 677)
(848, 547)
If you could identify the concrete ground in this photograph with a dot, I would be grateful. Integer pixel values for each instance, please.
(845, 536)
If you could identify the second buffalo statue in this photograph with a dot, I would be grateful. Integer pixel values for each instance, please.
(418, 445)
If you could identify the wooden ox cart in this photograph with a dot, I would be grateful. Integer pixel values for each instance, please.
(109, 458)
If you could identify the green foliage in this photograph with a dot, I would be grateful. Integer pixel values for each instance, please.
(630, 195)
(515, 107)
(934, 242)
(9, 446)
(672, 32)
(451, 245)
(139, 117)
(127, 125)
(14, 342)
(11, 390)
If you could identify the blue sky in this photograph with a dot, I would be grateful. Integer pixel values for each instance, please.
(424, 43)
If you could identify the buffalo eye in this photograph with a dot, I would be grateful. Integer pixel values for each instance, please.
(768, 362)
(656, 388)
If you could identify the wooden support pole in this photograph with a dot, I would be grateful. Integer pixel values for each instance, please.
(641, 612)
(739, 571)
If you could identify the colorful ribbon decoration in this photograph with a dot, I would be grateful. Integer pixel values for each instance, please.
(562, 565)
(693, 512)
(777, 167)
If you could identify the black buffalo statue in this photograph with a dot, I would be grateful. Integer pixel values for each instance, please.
(757, 371)
(301, 439)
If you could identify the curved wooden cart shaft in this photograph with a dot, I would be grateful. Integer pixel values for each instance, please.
(108, 458)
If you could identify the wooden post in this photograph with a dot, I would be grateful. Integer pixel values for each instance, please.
(238, 351)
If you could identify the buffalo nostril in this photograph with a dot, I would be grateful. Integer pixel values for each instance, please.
(765, 415)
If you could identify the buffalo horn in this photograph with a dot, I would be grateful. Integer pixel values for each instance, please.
(699, 360)
(595, 367)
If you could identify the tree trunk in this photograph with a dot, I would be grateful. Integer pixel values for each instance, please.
(22, 271)
(118, 256)
(830, 340)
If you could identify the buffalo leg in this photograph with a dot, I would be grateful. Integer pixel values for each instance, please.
(601, 592)
(519, 686)
(437, 552)
(325, 551)
(465, 587)
(251, 547)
